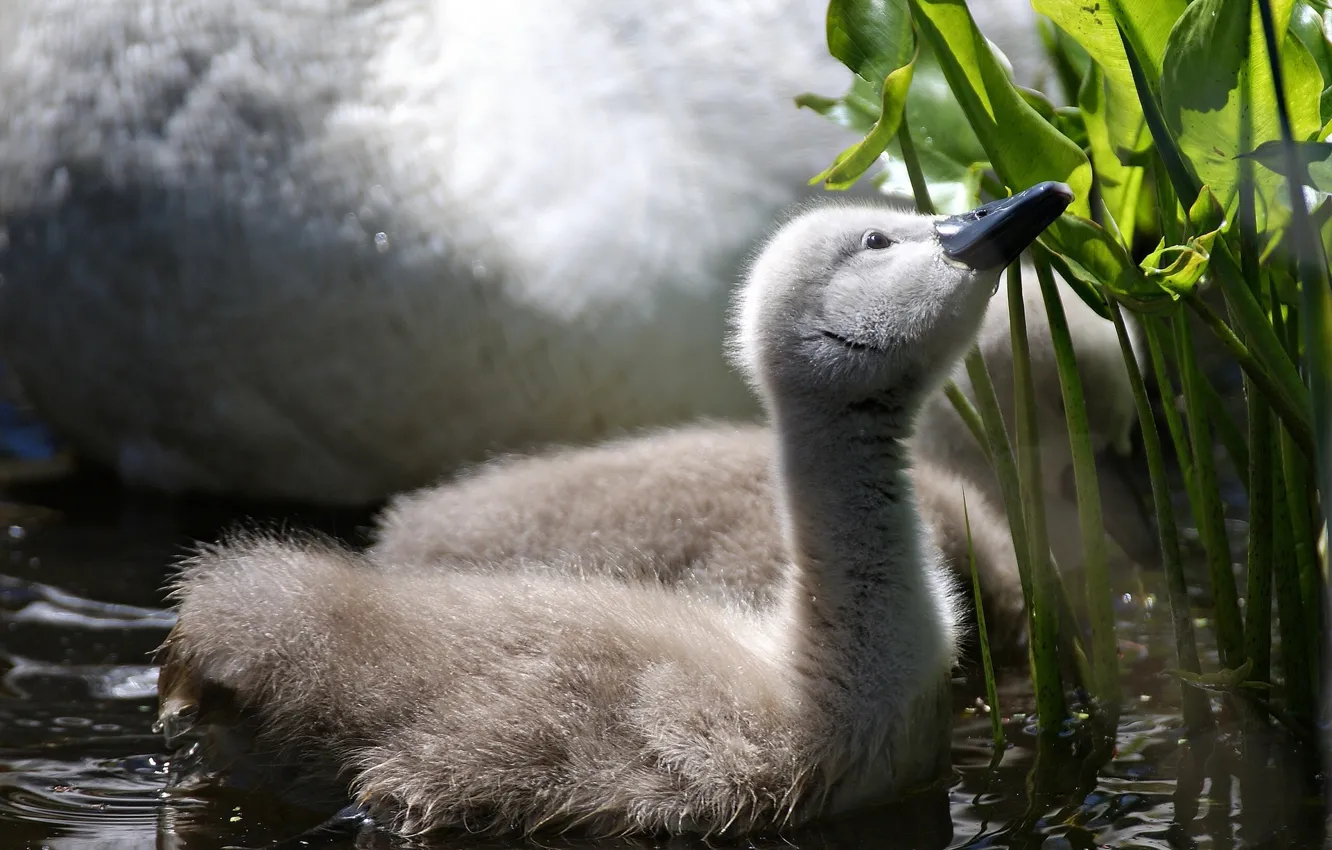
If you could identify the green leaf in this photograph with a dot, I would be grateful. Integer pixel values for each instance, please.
(1070, 59)
(848, 111)
(1147, 25)
(1023, 148)
(1120, 184)
(1092, 25)
(1306, 24)
(1222, 681)
(871, 37)
(855, 160)
(1094, 258)
(1315, 156)
(1218, 98)
(1186, 265)
(950, 155)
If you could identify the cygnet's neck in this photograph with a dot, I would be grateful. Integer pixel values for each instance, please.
(864, 591)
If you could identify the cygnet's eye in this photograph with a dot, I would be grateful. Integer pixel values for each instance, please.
(875, 240)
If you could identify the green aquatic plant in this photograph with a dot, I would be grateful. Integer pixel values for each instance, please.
(1201, 126)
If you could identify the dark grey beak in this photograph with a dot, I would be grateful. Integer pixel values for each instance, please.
(994, 235)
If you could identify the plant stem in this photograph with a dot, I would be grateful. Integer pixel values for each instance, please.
(1104, 645)
(1258, 593)
(991, 690)
(1197, 714)
(970, 417)
(1005, 466)
(1299, 693)
(1208, 510)
(919, 187)
(1293, 413)
(1157, 335)
(1237, 448)
(1304, 538)
(1317, 308)
(1050, 705)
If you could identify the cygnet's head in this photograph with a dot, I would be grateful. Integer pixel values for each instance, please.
(849, 303)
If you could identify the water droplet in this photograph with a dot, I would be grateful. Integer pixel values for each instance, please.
(16, 532)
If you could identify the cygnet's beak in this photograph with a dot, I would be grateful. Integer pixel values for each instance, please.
(993, 235)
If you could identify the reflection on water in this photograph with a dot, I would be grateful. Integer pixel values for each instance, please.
(82, 567)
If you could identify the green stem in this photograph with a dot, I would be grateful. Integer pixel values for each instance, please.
(970, 417)
(1258, 593)
(1197, 714)
(1302, 511)
(1299, 694)
(1104, 645)
(1005, 466)
(991, 690)
(919, 187)
(1313, 271)
(1157, 335)
(1050, 705)
(1295, 472)
(1208, 510)
(1237, 448)
(1262, 442)
(1293, 412)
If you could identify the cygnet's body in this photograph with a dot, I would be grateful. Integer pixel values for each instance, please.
(691, 506)
(333, 249)
(489, 700)
(694, 505)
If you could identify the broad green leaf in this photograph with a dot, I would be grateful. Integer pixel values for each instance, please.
(1070, 59)
(854, 161)
(1023, 147)
(871, 37)
(1306, 23)
(1069, 121)
(855, 110)
(950, 155)
(1120, 184)
(1092, 25)
(1093, 257)
(1218, 98)
(1316, 156)
(1147, 25)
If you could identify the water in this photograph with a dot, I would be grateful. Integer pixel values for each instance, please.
(83, 565)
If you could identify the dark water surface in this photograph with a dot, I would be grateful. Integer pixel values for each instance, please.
(82, 567)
